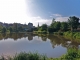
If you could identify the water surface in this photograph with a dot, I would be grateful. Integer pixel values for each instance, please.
(52, 46)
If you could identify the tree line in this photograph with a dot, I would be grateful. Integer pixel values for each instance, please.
(11, 29)
(71, 25)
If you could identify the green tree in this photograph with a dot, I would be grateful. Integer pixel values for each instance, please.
(4, 30)
(53, 20)
(15, 27)
(44, 27)
(10, 29)
(57, 26)
(50, 29)
(64, 26)
(73, 22)
(20, 29)
(0, 28)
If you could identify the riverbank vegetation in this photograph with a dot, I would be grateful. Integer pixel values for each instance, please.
(71, 25)
(70, 28)
(72, 54)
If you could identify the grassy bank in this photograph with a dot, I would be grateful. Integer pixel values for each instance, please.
(75, 35)
(72, 54)
(70, 35)
(25, 56)
(40, 32)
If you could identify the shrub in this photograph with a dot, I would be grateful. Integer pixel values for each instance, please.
(72, 54)
(29, 56)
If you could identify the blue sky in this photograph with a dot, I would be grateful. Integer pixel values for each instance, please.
(63, 7)
(37, 11)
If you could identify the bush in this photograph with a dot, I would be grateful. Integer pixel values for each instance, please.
(58, 33)
(75, 35)
(44, 32)
(72, 54)
(29, 56)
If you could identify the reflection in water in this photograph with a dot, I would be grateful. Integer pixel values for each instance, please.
(30, 37)
(54, 40)
(16, 36)
(59, 40)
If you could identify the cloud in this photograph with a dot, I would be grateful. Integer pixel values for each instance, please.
(62, 19)
(57, 15)
(38, 19)
(41, 21)
(19, 11)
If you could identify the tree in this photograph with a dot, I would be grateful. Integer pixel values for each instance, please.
(53, 20)
(0, 28)
(4, 30)
(57, 26)
(64, 26)
(20, 29)
(44, 27)
(50, 29)
(15, 27)
(73, 22)
(10, 29)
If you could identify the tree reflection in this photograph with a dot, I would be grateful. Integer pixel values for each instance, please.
(30, 37)
(43, 37)
(17, 36)
(14, 36)
(59, 40)
(54, 40)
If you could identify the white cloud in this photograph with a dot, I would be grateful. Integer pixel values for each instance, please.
(62, 19)
(18, 11)
(41, 21)
(56, 15)
(59, 17)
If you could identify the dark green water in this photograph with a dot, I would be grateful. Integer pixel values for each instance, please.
(52, 46)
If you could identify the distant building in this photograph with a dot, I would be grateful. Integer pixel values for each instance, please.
(17, 25)
(30, 26)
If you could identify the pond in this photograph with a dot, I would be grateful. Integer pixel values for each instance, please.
(50, 45)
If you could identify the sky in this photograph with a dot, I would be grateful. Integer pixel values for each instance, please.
(38, 11)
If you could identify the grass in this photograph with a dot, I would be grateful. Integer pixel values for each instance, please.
(74, 35)
(26, 56)
(72, 54)
(29, 56)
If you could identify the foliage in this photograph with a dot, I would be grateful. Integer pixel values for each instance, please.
(4, 30)
(53, 20)
(73, 22)
(10, 29)
(64, 26)
(56, 26)
(50, 29)
(1, 27)
(75, 35)
(58, 33)
(20, 29)
(29, 56)
(44, 27)
(72, 54)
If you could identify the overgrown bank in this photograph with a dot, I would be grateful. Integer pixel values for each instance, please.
(72, 54)
(75, 35)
